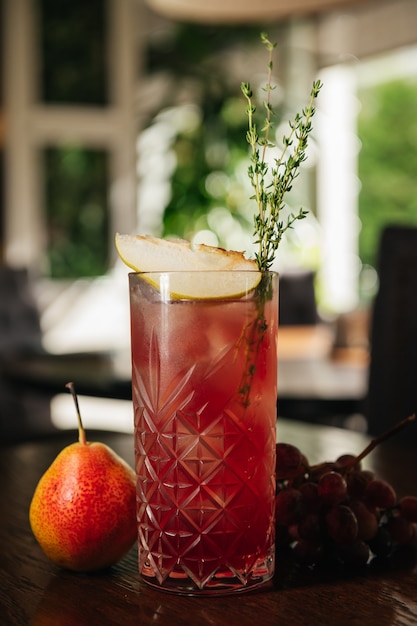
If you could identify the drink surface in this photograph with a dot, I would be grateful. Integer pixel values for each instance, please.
(204, 390)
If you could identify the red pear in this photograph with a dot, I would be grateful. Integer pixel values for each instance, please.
(83, 511)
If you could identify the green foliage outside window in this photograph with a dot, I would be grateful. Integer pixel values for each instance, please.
(387, 129)
(74, 51)
(77, 216)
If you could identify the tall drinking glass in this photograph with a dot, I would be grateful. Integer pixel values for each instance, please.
(204, 384)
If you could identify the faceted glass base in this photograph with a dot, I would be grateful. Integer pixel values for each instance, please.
(221, 583)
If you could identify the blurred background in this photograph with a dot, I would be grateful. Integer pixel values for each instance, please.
(127, 115)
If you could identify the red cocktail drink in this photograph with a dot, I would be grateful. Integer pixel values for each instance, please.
(204, 383)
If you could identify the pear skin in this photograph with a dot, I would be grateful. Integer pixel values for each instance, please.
(83, 511)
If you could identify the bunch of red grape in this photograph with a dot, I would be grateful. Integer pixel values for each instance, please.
(338, 512)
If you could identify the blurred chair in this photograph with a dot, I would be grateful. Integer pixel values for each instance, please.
(20, 329)
(297, 299)
(392, 390)
(22, 414)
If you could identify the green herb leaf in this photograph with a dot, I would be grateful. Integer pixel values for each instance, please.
(271, 187)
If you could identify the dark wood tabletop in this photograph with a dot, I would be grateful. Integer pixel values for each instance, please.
(35, 592)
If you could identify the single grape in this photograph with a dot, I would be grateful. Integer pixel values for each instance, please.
(310, 528)
(367, 520)
(289, 461)
(408, 508)
(381, 544)
(307, 552)
(379, 493)
(282, 536)
(401, 530)
(332, 488)
(341, 524)
(311, 500)
(357, 481)
(355, 554)
(293, 532)
(288, 506)
(320, 470)
(347, 459)
(330, 560)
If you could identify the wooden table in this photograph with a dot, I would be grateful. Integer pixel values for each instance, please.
(317, 382)
(33, 591)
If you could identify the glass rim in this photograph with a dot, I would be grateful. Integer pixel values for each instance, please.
(203, 271)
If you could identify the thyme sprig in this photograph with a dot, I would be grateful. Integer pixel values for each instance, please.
(270, 189)
(271, 185)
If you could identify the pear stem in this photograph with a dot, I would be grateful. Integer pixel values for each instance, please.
(81, 432)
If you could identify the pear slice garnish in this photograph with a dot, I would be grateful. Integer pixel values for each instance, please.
(229, 274)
